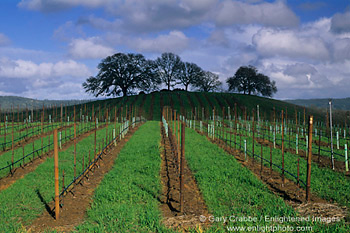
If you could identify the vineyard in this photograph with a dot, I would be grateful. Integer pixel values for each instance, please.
(173, 162)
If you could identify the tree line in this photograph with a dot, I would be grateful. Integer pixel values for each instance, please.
(123, 74)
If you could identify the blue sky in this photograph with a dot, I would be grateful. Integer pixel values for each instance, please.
(49, 47)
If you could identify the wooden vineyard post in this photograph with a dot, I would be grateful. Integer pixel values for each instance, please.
(12, 147)
(283, 180)
(57, 197)
(253, 135)
(95, 131)
(319, 146)
(261, 160)
(75, 149)
(308, 173)
(178, 141)
(270, 159)
(182, 167)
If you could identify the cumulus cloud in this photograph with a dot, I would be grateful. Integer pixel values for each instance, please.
(28, 69)
(270, 14)
(341, 22)
(4, 40)
(271, 42)
(175, 41)
(89, 48)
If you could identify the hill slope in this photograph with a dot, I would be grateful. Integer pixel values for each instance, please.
(199, 103)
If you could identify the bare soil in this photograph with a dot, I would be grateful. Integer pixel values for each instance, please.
(194, 205)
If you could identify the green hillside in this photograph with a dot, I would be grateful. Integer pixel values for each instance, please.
(190, 104)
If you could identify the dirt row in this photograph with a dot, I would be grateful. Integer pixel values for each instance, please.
(194, 205)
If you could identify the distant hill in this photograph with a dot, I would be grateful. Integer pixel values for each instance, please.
(7, 102)
(340, 104)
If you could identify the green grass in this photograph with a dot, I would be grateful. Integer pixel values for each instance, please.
(230, 189)
(126, 199)
(25, 200)
(324, 182)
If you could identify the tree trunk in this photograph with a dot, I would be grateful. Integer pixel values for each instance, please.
(169, 86)
(125, 92)
(186, 87)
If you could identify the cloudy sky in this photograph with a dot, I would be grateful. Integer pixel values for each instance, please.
(49, 47)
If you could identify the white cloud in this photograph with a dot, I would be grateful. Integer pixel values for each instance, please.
(271, 42)
(270, 14)
(28, 69)
(175, 41)
(89, 48)
(52, 90)
(4, 40)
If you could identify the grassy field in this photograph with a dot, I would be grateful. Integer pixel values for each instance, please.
(232, 190)
(126, 200)
(25, 200)
(324, 182)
